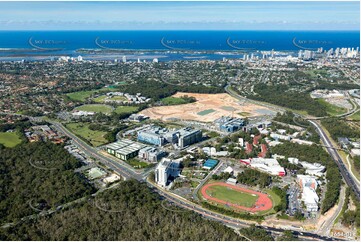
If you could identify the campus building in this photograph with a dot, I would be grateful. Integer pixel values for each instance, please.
(188, 136)
(308, 185)
(160, 136)
(151, 154)
(229, 124)
(124, 149)
(165, 170)
(268, 165)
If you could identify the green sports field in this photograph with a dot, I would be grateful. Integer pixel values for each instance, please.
(205, 112)
(102, 98)
(9, 139)
(126, 109)
(232, 196)
(98, 108)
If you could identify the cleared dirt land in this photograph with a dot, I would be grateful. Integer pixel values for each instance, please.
(207, 108)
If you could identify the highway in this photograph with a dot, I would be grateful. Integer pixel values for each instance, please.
(336, 157)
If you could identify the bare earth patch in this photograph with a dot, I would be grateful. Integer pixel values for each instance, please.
(216, 102)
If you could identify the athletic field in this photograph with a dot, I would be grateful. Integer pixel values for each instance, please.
(232, 196)
(236, 197)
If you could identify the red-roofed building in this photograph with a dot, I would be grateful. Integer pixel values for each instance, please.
(263, 151)
(256, 139)
(249, 148)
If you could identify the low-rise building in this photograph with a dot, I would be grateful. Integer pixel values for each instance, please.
(268, 165)
(151, 154)
(229, 124)
(124, 149)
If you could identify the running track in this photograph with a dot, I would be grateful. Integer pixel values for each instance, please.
(263, 203)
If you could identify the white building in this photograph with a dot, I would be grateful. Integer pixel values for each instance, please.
(164, 170)
(280, 136)
(308, 184)
(211, 151)
(268, 165)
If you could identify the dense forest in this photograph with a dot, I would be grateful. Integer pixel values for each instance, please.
(252, 177)
(130, 211)
(351, 217)
(309, 153)
(39, 175)
(254, 233)
(158, 90)
(279, 95)
(339, 128)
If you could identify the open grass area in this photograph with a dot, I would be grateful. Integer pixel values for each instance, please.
(138, 164)
(95, 137)
(331, 109)
(353, 168)
(103, 98)
(232, 196)
(276, 200)
(9, 139)
(98, 108)
(205, 112)
(173, 101)
(80, 96)
(126, 109)
(355, 116)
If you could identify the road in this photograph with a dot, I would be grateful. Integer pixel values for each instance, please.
(350, 167)
(129, 173)
(229, 221)
(326, 227)
(336, 157)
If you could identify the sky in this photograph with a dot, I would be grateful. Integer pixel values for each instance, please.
(180, 15)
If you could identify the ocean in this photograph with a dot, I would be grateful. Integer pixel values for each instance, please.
(167, 44)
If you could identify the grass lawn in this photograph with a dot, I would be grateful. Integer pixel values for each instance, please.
(95, 137)
(138, 164)
(173, 101)
(355, 116)
(9, 139)
(353, 168)
(232, 196)
(80, 96)
(331, 109)
(98, 108)
(275, 201)
(205, 112)
(126, 109)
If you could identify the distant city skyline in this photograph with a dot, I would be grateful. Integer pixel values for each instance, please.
(180, 15)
